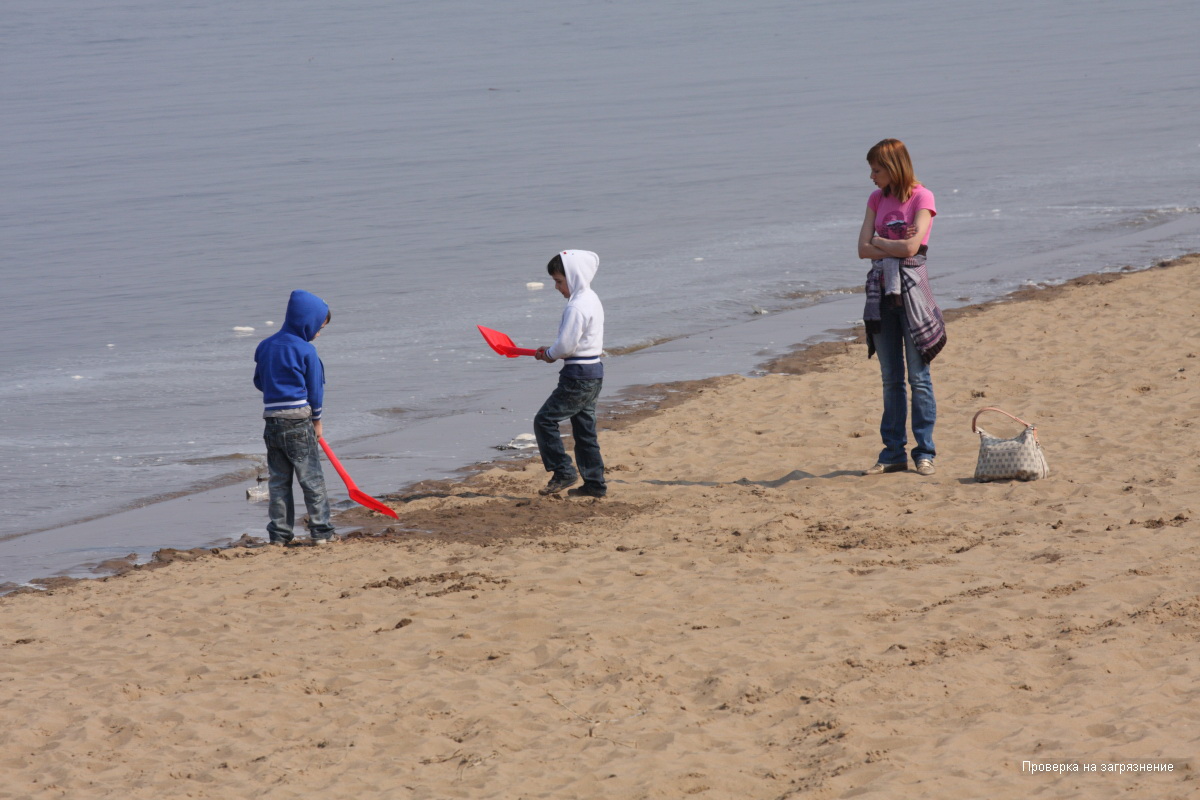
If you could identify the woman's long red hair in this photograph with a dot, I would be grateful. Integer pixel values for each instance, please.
(891, 156)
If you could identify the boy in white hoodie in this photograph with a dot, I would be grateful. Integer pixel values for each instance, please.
(580, 343)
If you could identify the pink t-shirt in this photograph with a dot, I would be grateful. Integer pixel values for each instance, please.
(888, 209)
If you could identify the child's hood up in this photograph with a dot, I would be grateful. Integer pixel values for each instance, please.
(580, 267)
(306, 313)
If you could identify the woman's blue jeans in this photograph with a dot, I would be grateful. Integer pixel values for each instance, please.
(292, 452)
(573, 399)
(897, 356)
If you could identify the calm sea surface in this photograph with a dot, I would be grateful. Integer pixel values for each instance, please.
(171, 171)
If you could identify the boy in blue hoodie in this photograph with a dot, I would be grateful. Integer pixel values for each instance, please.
(579, 344)
(291, 377)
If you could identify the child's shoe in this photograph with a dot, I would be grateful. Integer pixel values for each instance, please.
(587, 491)
(881, 469)
(557, 484)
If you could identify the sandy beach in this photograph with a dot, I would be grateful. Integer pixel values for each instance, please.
(745, 616)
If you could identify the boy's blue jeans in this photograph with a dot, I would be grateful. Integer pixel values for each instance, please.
(895, 348)
(573, 399)
(292, 450)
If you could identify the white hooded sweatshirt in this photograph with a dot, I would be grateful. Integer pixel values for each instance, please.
(581, 331)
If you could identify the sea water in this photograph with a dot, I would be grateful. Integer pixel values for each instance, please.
(171, 171)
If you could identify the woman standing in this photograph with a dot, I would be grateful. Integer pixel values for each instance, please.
(904, 324)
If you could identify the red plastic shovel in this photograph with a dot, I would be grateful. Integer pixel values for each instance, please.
(362, 498)
(502, 344)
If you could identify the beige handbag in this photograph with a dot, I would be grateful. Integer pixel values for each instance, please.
(1020, 458)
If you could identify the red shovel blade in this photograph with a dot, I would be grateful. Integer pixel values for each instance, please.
(362, 498)
(502, 344)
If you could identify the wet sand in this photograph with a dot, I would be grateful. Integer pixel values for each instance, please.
(745, 616)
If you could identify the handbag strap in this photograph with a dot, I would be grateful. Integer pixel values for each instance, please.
(1005, 413)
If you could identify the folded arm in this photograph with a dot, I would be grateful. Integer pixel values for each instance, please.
(873, 246)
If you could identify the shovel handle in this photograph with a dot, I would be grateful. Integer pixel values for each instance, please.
(337, 465)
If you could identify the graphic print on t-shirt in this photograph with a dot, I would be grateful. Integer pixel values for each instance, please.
(896, 228)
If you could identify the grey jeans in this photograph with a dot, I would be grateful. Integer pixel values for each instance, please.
(573, 399)
(292, 452)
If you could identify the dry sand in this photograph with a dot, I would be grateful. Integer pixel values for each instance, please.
(744, 617)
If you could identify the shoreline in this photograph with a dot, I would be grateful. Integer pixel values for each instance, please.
(630, 406)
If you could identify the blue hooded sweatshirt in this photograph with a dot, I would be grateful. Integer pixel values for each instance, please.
(287, 369)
